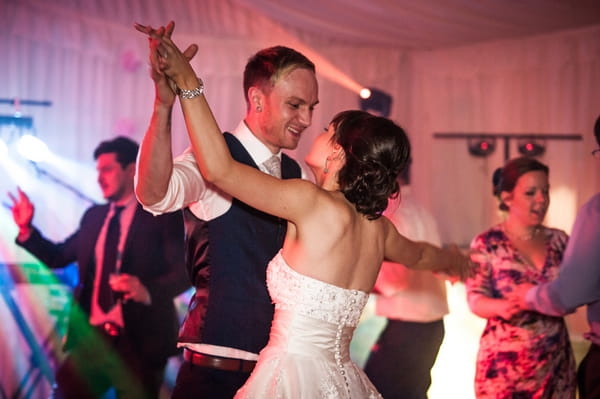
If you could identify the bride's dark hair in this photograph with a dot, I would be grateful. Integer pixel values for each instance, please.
(376, 151)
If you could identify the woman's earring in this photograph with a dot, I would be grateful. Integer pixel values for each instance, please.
(326, 168)
(258, 108)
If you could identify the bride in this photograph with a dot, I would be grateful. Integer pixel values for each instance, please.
(335, 243)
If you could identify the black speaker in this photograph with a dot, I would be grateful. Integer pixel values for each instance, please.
(531, 147)
(482, 146)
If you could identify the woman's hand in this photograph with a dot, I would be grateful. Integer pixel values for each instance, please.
(459, 266)
(487, 307)
(166, 59)
(519, 293)
(506, 308)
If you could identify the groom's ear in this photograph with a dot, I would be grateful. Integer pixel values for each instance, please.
(256, 98)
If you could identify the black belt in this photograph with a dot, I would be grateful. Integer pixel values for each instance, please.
(216, 362)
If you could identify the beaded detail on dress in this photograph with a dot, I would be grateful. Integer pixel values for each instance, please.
(308, 354)
(291, 290)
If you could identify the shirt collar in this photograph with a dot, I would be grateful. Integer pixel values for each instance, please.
(257, 150)
(128, 204)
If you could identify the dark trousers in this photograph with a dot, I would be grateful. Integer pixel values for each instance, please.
(203, 382)
(98, 363)
(400, 363)
(588, 374)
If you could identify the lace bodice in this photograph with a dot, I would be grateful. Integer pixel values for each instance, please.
(304, 295)
(308, 354)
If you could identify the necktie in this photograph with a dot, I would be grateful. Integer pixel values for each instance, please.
(109, 263)
(273, 166)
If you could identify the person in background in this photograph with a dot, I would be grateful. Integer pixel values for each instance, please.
(577, 284)
(228, 242)
(123, 323)
(414, 303)
(521, 353)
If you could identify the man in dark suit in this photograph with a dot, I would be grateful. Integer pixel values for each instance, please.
(123, 323)
(229, 244)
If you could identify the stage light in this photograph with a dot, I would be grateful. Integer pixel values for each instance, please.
(531, 147)
(12, 129)
(17, 120)
(365, 93)
(378, 102)
(481, 147)
(32, 148)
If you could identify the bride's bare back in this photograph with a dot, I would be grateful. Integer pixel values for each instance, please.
(336, 244)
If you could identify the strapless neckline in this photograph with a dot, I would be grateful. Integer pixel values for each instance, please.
(312, 297)
(304, 276)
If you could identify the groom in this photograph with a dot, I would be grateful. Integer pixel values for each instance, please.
(228, 243)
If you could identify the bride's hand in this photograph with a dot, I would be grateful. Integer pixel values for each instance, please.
(153, 35)
(456, 265)
(166, 59)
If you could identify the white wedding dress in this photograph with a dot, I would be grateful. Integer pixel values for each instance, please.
(308, 351)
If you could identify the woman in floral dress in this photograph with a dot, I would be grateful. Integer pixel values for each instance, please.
(522, 354)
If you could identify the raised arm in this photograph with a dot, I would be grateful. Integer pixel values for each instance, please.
(155, 160)
(288, 199)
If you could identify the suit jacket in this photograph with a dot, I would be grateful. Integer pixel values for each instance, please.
(153, 251)
(227, 259)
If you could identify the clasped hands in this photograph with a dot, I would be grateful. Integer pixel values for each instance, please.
(168, 65)
(460, 266)
(513, 302)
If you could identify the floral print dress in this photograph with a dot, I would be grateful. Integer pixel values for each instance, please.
(530, 355)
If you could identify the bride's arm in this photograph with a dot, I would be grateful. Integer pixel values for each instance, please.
(423, 255)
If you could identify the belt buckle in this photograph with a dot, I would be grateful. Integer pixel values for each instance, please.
(111, 329)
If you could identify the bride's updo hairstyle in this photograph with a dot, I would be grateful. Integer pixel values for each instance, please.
(376, 151)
